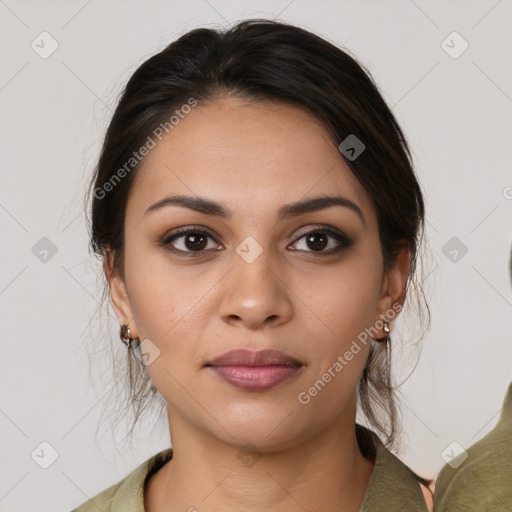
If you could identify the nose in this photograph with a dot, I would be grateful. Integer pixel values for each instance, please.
(255, 294)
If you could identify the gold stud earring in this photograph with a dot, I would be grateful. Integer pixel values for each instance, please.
(126, 335)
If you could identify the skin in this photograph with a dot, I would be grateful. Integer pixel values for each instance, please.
(253, 158)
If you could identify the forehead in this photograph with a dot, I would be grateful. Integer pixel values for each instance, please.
(250, 156)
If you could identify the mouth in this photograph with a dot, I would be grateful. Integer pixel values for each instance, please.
(254, 371)
(245, 357)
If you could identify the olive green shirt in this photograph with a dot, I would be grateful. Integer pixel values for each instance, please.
(392, 486)
(483, 481)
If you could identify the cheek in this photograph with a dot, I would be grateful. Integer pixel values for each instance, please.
(341, 350)
(161, 299)
(167, 313)
(341, 302)
(172, 308)
(341, 307)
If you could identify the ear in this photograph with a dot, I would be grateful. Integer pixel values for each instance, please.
(119, 294)
(392, 291)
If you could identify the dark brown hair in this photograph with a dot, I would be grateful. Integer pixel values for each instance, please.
(260, 60)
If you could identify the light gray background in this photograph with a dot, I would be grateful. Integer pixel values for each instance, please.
(456, 114)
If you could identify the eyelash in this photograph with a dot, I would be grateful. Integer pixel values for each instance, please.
(344, 242)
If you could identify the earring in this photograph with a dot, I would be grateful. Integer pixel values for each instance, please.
(387, 340)
(126, 335)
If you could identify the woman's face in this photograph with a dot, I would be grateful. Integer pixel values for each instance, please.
(256, 280)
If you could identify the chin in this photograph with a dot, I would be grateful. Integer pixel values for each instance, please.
(264, 433)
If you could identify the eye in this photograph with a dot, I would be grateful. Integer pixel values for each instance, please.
(193, 241)
(189, 240)
(321, 238)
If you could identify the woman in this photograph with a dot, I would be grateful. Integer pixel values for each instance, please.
(259, 221)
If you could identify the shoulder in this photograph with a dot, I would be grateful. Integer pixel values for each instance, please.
(393, 485)
(128, 493)
(101, 501)
(479, 477)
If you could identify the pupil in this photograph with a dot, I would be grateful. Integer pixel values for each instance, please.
(197, 241)
(312, 237)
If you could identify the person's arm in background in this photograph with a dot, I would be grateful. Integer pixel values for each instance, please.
(483, 482)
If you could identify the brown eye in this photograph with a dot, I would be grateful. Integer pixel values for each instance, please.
(195, 241)
(317, 240)
(189, 241)
(320, 239)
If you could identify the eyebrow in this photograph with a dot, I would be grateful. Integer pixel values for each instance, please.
(210, 207)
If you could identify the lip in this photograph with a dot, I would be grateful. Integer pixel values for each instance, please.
(254, 370)
(246, 357)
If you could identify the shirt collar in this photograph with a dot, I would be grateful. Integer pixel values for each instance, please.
(391, 481)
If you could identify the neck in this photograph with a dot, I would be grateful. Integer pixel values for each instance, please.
(327, 472)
